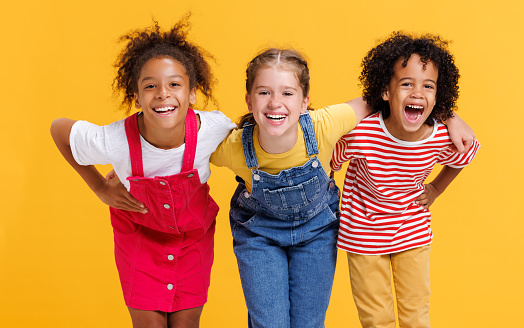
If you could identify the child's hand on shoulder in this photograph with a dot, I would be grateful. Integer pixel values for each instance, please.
(115, 194)
(460, 133)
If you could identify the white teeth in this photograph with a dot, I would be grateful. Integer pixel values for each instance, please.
(415, 106)
(275, 117)
(164, 109)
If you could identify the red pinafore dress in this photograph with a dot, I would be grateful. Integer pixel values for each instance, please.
(164, 257)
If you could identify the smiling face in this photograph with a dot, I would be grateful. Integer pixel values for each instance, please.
(164, 95)
(276, 100)
(411, 95)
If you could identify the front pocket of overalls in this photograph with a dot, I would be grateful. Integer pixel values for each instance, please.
(141, 218)
(293, 197)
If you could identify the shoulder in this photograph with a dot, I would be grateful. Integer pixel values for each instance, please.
(94, 144)
(229, 149)
(339, 111)
(102, 131)
(214, 117)
(332, 122)
(215, 126)
(233, 138)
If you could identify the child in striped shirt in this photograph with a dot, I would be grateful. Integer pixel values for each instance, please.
(411, 85)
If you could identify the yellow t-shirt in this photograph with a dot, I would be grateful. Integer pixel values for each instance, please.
(330, 124)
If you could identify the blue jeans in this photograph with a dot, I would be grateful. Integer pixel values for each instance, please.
(285, 284)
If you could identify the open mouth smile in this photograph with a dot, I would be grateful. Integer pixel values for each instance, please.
(413, 113)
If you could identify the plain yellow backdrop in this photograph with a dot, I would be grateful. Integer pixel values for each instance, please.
(56, 248)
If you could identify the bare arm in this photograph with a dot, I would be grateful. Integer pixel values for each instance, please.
(436, 187)
(360, 107)
(460, 133)
(110, 191)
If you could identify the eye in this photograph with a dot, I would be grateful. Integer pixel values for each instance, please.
(429, 86)
(263, 93)
(406, 84)
(175, 84)
(287, 94)
(149, 86)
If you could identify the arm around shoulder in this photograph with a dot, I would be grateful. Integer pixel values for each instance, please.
(460, 134)
(360, 107)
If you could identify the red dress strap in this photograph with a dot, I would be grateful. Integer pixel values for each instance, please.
(191, 141)
(135, 150)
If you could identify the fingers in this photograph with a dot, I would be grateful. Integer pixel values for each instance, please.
(132, 203)
(116, 195)
(467, 145)
(126, 201)
(111, 175)
(423, 200)
(459, 148)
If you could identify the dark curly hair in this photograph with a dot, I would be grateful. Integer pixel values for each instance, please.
(151, 42)
(276, 57)
(378, 69)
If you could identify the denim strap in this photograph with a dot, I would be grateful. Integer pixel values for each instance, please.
(306, 123)
(247, 145)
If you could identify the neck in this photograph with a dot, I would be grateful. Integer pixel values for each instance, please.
(162, 138)
(422, 133)
(277, 144)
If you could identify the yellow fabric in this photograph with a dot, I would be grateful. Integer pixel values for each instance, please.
(330, 124)
(370, 277)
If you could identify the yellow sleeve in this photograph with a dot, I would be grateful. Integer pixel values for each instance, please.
(332, 122)
(222, 155)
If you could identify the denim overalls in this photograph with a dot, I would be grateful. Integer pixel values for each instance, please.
(284, 235)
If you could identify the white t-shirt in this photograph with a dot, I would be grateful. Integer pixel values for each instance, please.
(92, 144)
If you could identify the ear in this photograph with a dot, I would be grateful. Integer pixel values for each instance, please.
(385, 94)
(305, 103)
(137, 103)
(248, 102)
(192, 97)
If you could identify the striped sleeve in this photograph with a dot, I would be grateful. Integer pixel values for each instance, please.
(341, 153)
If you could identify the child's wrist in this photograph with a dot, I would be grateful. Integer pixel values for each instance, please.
(434, 187)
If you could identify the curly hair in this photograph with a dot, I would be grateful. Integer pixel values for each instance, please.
(151, 42)
(378, 69)
(275, 57)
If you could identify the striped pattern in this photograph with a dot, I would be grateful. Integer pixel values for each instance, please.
(383, 179)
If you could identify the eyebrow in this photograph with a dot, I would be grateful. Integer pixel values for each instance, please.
(266, 87)
(410, 78)
(152, 78)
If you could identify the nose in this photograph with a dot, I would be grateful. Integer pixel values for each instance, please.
(274, 101)
(162, 92)
(417, 93)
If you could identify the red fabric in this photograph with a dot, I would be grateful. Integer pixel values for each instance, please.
(164, 257)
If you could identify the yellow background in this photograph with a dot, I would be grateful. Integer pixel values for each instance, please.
(56, 248)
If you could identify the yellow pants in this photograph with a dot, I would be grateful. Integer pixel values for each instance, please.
(371, 285)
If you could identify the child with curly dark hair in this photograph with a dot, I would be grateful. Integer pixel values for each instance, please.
(162, 216)
(411, 84)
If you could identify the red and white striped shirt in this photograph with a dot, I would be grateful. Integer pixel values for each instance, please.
(383, 179)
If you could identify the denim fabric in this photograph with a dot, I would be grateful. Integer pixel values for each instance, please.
(284, 238)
